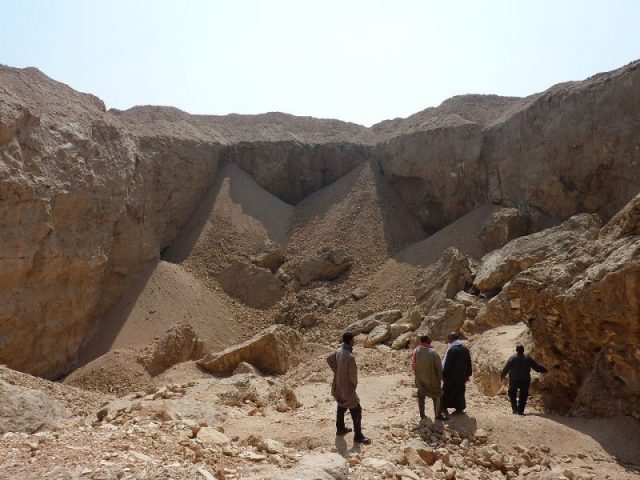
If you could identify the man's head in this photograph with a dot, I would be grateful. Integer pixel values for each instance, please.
(520, 349)
(347, 338)
(425, 339)
(453, 336)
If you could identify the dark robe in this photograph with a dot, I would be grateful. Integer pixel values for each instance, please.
(455, 373)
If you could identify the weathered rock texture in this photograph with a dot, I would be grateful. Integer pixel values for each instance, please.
(27, 410)
(255, 286)
(273, 351)
(89, 197)
(499, 266)
(582, 305)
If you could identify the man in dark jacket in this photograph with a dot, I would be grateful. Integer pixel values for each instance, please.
(345, 380)
(456, 371)
(518, 368)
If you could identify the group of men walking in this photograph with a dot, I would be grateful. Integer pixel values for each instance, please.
(443, 381)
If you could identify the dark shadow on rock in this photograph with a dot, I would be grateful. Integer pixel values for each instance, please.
(341, 445)
(111, 324)
(463, 424)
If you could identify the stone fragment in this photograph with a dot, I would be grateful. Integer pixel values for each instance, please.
(323, 466)
(179, 344)
(377, 335)
(272, 351)
(27, 410)
(271, 256)
(504, 225)
(326, 265)
(209, 435)
(254, 286)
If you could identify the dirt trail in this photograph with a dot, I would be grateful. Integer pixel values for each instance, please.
(593, 446)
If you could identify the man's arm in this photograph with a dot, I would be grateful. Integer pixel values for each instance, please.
(438, 363)
(536, 366)
(331, 360)
(506, 369)
(353, 372)
(469, 364)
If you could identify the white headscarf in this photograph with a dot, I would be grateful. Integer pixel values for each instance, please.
(452, 344)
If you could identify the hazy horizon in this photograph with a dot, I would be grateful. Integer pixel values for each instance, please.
(360, 62)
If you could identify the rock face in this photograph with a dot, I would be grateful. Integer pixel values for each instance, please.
(505, 225)
(26, 410)
(582, 305)
(273, 351)
(498, 267)
(255, 286)
(326, 265)
(552, 155)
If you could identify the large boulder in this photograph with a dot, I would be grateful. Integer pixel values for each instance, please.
(448, 317)
(273, 351)
(500, 266)
(452, 272)
(27, 410)
(504, 225)
(326, 265)
(254, 286)
(179, 344)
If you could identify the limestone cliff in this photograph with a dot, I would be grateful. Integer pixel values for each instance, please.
(89, 197)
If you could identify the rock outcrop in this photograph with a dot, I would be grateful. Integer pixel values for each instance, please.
(500, 266)
(582, 305)
(273, 351)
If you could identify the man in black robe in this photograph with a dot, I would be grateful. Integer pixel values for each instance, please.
(456, 371)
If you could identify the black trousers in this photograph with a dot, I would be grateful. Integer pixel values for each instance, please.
(436, 405)
(356, 416)
(522, 386)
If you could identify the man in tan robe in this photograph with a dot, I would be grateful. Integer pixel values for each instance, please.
(343, 388)
(427, 368)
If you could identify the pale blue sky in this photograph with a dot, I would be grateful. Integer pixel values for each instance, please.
(360, 61)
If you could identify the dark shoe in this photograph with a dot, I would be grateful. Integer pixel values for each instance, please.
(521, 414)
(343, 431)
(442, 416)
(363, 440)
(515, 412)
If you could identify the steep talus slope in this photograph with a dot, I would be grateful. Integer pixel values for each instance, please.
(233, 221)
(163, 295)
(360, 213)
